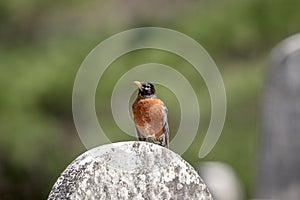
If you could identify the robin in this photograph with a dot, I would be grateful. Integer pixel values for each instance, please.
(150, 116)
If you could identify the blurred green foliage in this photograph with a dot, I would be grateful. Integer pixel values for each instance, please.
(42, 44)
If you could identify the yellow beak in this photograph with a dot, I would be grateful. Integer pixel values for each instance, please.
(139, 84)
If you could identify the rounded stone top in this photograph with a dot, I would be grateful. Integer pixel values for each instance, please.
(129, 170)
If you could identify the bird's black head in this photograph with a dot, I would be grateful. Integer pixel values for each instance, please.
(146, 89)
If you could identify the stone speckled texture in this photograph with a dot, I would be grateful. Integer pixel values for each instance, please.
(129, 170)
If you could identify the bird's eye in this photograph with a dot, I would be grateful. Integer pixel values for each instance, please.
(147, 87)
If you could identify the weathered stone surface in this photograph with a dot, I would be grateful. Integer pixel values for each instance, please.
(129, 170)
(279, 163)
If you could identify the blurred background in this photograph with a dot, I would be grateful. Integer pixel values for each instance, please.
(42, 44)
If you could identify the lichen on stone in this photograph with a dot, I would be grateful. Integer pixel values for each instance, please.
(129, 170)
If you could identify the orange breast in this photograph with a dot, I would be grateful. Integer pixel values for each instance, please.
(148, 116)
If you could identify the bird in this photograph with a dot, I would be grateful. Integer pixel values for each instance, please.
(150, 116)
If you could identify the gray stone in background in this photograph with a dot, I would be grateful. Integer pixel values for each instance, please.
(129, 170)
(222, 180)
(279, 156)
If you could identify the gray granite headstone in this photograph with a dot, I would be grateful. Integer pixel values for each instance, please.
(222, 180)
(279, 155)
(129, 170)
